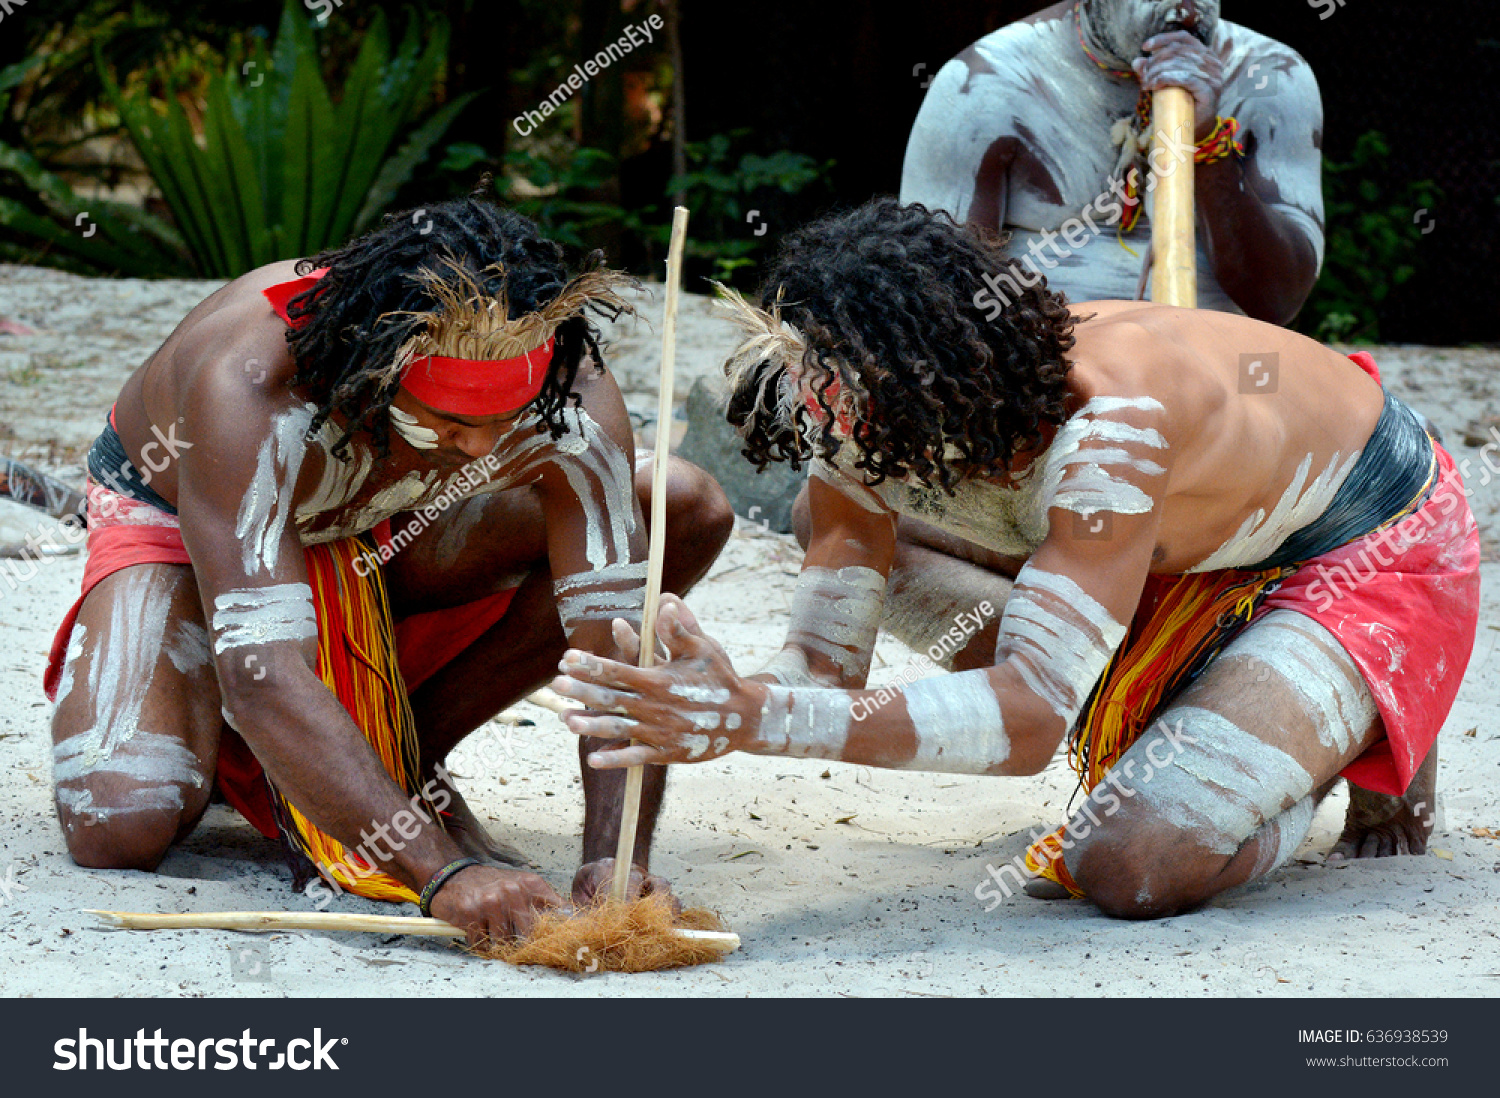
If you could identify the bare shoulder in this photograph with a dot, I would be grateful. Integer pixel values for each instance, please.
(1263, 76)
(1020, 44)
(234, 336)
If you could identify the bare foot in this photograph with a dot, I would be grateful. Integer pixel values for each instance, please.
(1379, 825)
(473, 838)
(1042, 889)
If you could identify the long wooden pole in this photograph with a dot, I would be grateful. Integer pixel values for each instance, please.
(1174, 248)
(267, 921)
(630, 807)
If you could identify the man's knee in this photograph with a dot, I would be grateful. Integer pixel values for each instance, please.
(1140, 873)
(698, 511)
(138, 840)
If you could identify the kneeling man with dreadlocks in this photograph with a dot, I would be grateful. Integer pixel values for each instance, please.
(400, 484)
(1230, 592)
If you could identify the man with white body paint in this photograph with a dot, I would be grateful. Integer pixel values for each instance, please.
(1172, 530)
(1034, 130)
(435, 384)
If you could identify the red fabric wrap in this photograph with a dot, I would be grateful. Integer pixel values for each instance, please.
(125, 532)
(461, 386)
(1404, 603)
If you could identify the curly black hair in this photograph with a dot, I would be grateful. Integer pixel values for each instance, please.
(355, 320)
(894, 304)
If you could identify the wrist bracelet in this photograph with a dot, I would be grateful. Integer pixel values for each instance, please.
(439, 879)
(1221, 143)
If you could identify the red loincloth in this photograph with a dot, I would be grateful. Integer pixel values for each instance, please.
(1408, 624)
(125, 532)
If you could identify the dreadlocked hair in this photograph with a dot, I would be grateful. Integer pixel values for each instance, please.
(890, 313)
(446, 275)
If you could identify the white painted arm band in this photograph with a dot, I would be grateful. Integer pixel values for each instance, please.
(264, 615)
(835, 614)
(956, 719)
(1058, 637)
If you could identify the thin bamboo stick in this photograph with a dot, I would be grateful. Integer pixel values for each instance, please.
(630, 807)
(268, 921)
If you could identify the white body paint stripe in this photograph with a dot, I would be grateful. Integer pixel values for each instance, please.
(1223, 788)
(958, 724)
(601, 606)
(264, 615)
(624, 572)
(1058, 637)
(789, 668)
(145, 757)
(1262, 534)
(1290, 828)
(266, 508)
(837, 613)
(1310, 659)
(808, 724)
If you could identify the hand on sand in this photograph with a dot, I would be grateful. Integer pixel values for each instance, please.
(493, 904)
(691, 709)
(593, 880)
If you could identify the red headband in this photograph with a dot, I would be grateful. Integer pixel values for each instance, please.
(475, 387)
(460, 386)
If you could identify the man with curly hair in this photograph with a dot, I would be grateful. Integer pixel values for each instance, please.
(1239, 568)
(1041, 129)
(354, 507)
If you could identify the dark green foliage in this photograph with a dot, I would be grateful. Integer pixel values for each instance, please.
(1374, 233)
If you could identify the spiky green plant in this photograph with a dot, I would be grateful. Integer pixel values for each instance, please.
(280, 170)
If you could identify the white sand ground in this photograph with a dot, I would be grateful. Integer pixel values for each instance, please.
(842, 881)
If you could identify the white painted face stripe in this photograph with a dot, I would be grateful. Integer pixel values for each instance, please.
(1058, 637)
(1261, 535)
(1305, 655)
(1223, 787)
(264, 615)
(406, 425)
(1288, 830)
(808, 724)
(958, 724)
(267, 506)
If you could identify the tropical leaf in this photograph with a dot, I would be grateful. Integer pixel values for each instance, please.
(280, 169)
(398, 169)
